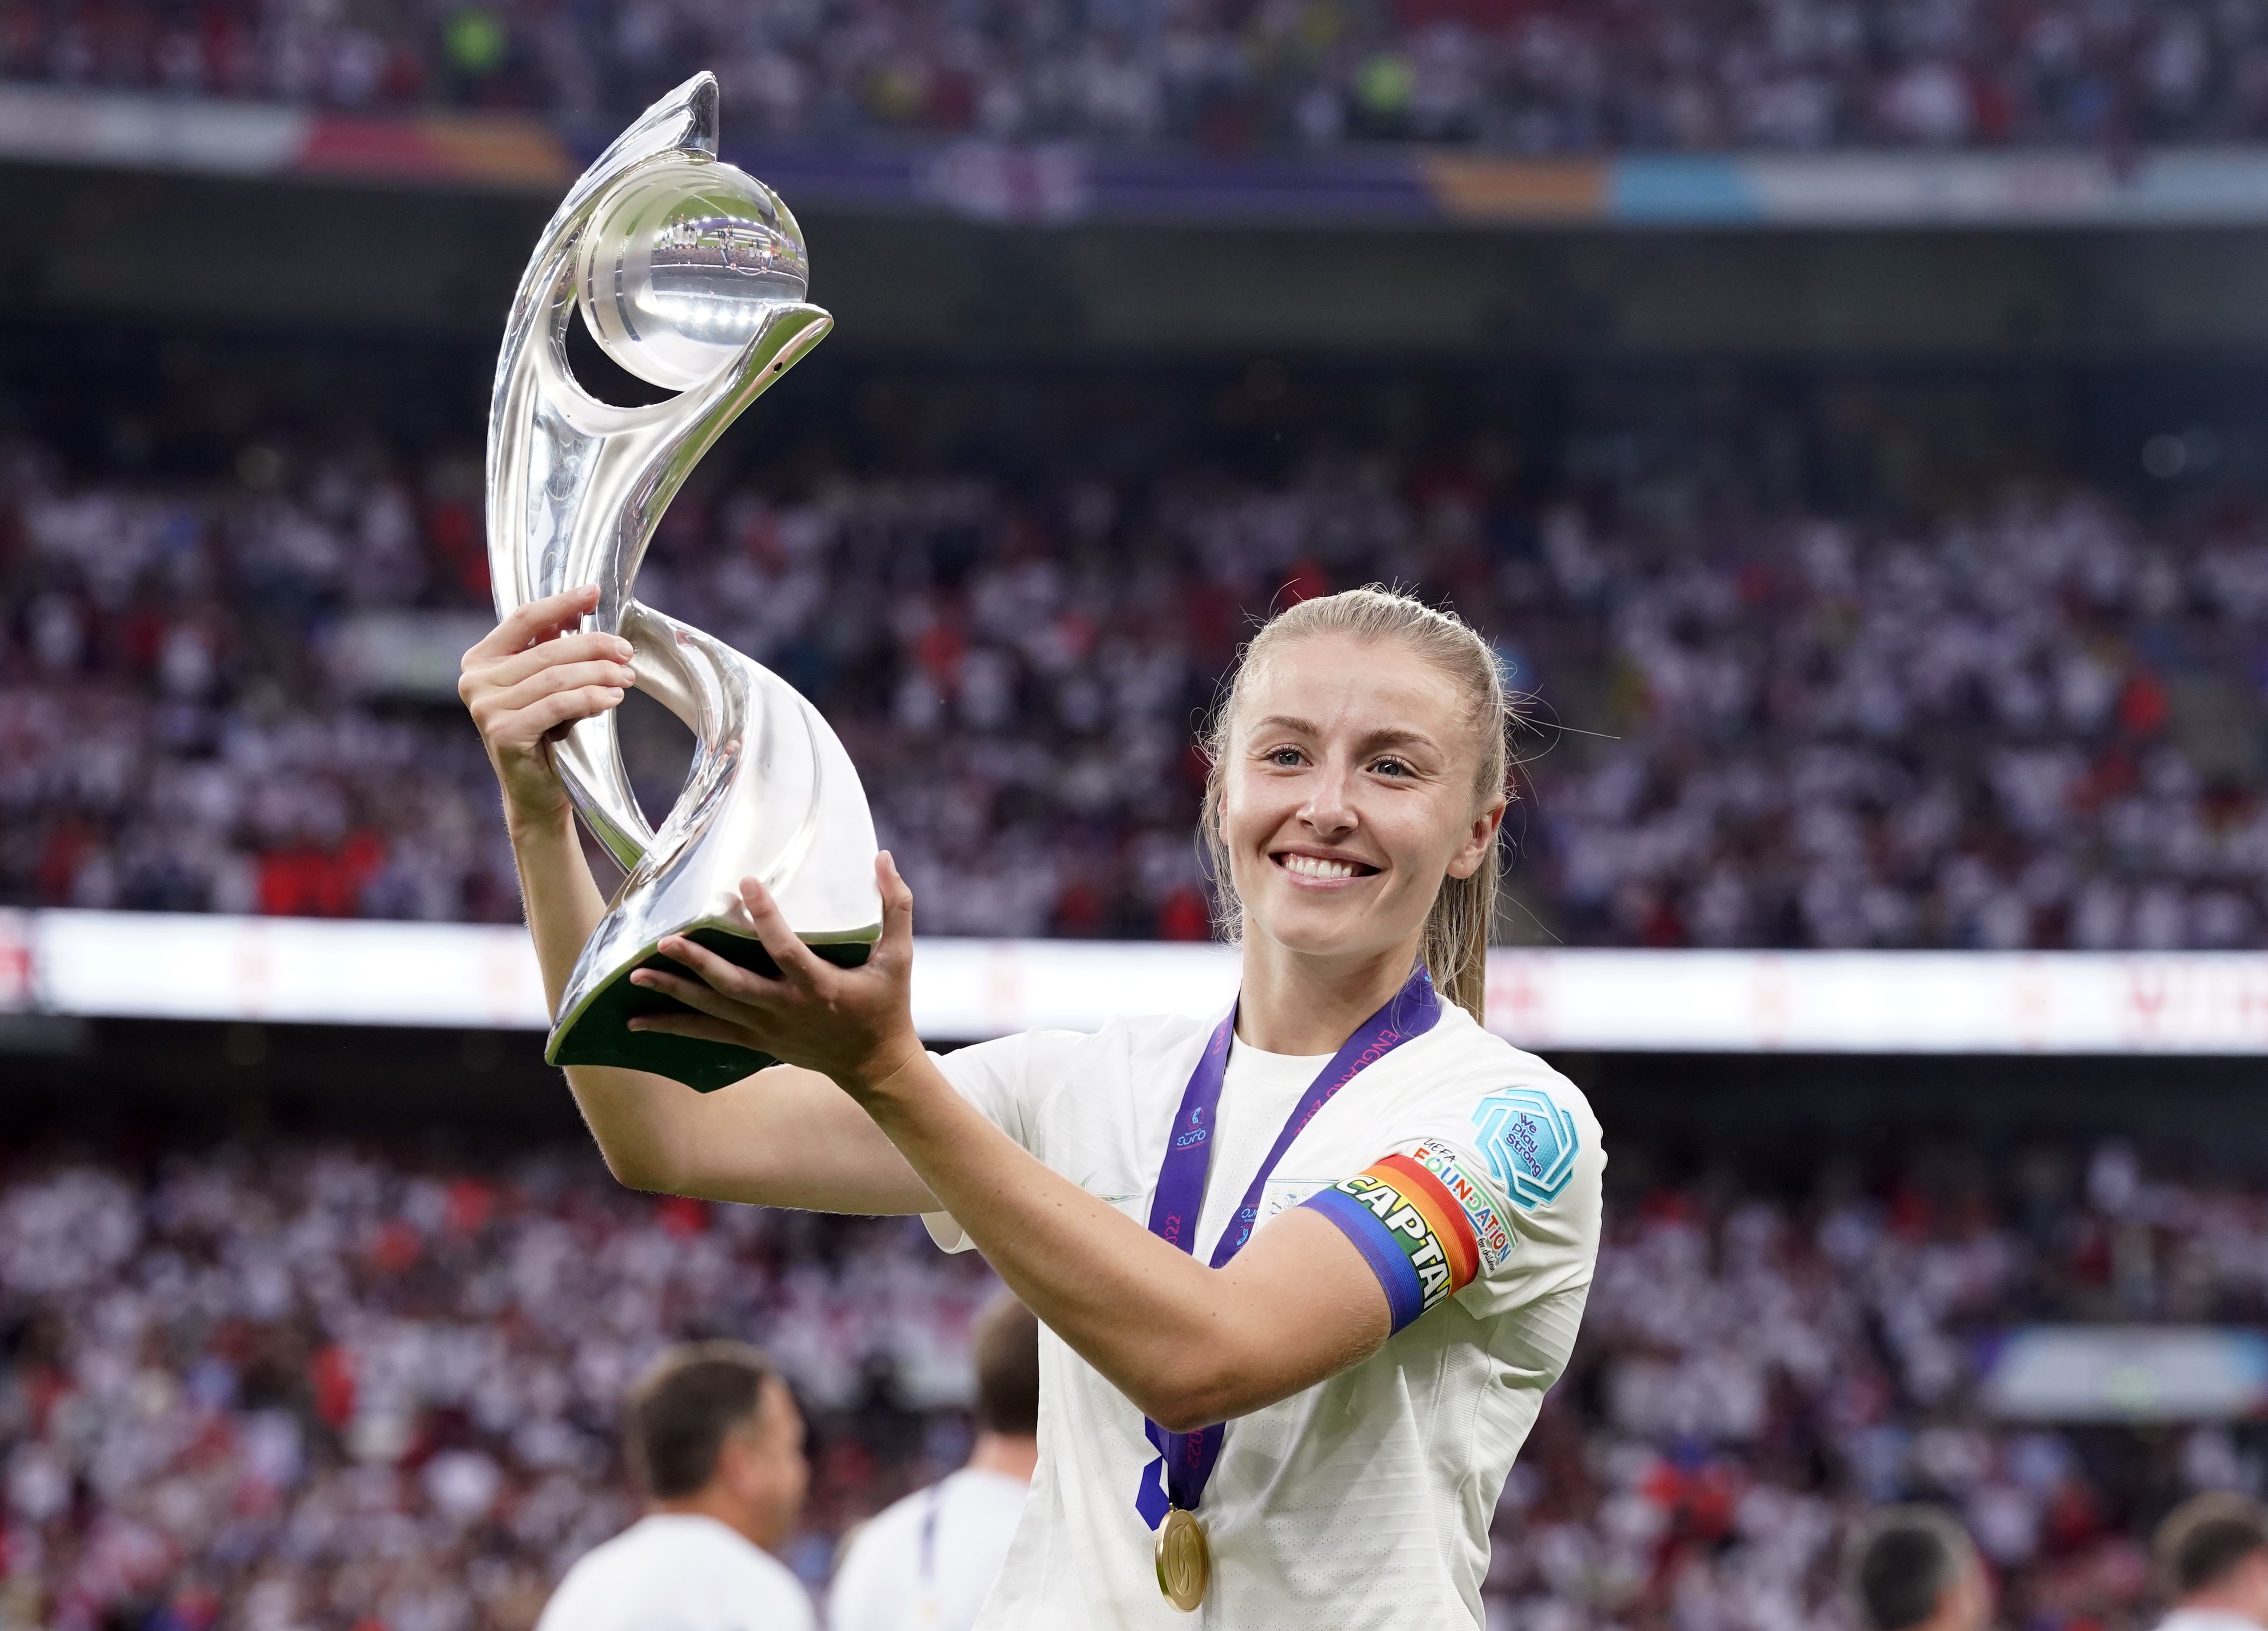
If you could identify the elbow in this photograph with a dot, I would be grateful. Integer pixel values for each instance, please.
(1184, 1411)
(1195, 1397)
(641, 1173)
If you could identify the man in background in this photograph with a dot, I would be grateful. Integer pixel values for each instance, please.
(2214, 1552)
(927, 1563)
(716, 1442)
(1914, 1568)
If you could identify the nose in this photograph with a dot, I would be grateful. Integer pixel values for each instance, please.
(1329, 813)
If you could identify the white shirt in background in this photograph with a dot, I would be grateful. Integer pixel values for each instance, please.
(677, 1571)
(1364, 1502)
(2208, 1620)
(927, 1562)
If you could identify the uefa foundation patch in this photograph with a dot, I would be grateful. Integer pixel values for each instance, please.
(1528, 1141)
(1489, 1230)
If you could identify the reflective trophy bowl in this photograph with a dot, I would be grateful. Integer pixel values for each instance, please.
(682, 263)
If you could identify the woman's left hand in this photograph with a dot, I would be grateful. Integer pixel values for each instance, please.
(854, 1025)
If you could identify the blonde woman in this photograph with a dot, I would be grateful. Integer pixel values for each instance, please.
(1307, 1269)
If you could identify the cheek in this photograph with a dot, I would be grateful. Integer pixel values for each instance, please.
(1423, 832)
(1247, 814)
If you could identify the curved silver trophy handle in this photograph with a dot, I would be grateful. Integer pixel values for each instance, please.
(575, 488)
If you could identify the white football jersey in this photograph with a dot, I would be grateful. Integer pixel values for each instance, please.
(1363, 1501)
(927, 1562)
(679, 1571)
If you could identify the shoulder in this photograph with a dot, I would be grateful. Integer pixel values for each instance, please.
(617, 1583)
(890, 1530)
(1532, 1126)
(1036, 1061)
(1515, 1149)
(696, 1548)
(604, 1578)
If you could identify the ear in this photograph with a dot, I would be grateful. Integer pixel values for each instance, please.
(736, 1458)
(1482, 834)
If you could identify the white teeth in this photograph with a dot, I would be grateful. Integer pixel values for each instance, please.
(1313, 866)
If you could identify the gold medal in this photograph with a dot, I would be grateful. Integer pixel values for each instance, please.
(1184, 1563)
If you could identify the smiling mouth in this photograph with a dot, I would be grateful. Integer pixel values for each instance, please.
(1321, 867)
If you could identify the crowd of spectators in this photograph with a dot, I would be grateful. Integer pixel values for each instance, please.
(2026, 717)
(309, 1388)
(1752, 1373)
(1532, 76)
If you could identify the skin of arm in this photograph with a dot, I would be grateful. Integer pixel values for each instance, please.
(1188, 1344)
(781, 1137)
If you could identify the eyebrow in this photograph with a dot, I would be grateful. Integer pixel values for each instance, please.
(1391, 736)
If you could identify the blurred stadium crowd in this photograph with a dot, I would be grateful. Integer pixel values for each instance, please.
(1521, 76)
(305, 1386)
(2027, 716)
(315, 1389)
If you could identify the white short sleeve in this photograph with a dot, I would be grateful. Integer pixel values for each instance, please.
(1533, 1151)
(1491, 1195)
(999, 1078)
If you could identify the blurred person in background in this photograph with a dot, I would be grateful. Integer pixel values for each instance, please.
(928, 1563)
(2214, 1552)
(716, 1441)
(1914, 1568)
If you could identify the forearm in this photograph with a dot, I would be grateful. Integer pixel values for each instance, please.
(558, 892)
(778, 1137)
(1188, 1344)
(636, 1118)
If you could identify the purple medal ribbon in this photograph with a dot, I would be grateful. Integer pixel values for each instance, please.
(1188, 1458)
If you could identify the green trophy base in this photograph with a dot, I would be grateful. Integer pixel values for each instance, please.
(599, 1032)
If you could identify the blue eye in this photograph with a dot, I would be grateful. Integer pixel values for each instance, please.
(1284, 756)
(1391, 767)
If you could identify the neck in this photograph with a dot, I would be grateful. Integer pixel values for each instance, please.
(718, 1503)
(2226, 1599)
(1012, 1455)
(1292, 1003)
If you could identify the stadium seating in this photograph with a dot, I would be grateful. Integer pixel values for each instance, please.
(322, 1385)
(2024, 715)
(1507, 75)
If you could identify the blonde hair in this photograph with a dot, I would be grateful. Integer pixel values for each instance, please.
(1455, 950)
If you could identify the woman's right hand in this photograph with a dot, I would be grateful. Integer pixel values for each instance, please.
(530, 678)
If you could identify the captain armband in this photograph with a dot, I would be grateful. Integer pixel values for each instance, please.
(1422, 1222)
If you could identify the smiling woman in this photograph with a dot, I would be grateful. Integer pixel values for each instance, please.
(1305, 1273)
(1343, 647)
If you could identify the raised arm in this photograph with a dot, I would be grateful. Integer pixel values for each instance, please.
(1188, 1344)
(781, 1137)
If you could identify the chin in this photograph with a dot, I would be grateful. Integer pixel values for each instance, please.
(1318, 928)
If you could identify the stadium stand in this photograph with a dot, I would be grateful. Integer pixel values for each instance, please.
(325, 1386)
(1505, 75)
(2000, 714)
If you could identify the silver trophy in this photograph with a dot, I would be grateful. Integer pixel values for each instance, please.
(691, 275)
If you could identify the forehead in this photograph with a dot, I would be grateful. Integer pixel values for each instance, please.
(1340, 684)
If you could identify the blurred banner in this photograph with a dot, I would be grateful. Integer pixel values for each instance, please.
(2125, 1373)
(1066, 181)
(186, 965)
(53, 126)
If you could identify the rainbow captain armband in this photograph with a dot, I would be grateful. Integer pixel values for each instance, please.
(1416, 1238)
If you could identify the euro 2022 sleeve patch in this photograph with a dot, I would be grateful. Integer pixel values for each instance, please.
(1529, 1141)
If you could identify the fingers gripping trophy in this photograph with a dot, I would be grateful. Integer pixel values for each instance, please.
(691, 275)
